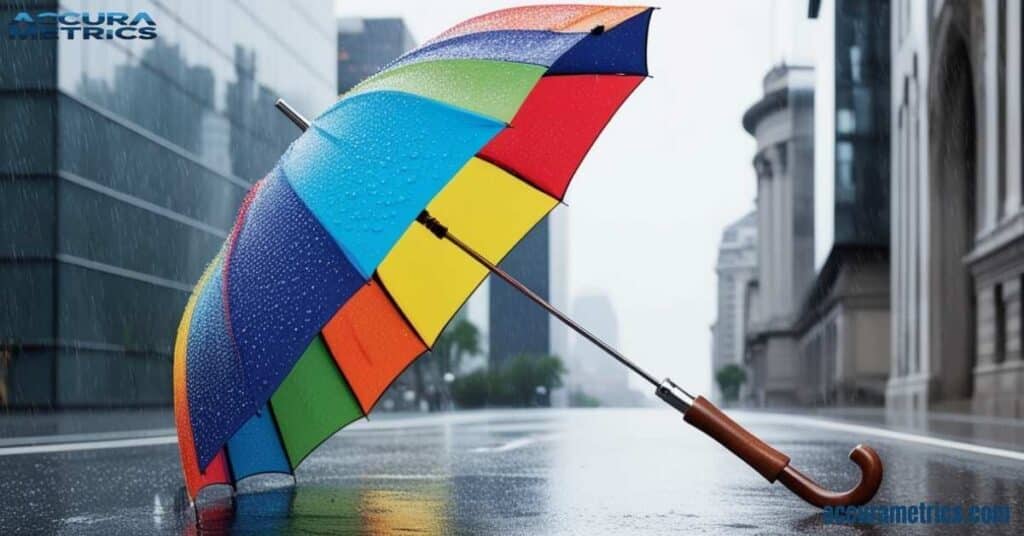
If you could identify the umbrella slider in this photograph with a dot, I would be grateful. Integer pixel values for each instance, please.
(438, 229)
(674, 395)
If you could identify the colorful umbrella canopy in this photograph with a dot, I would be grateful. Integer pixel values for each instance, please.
(326, 289)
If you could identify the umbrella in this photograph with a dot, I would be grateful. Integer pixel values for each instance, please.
(348, 259)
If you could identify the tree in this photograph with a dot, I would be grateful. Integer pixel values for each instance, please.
(472, 390)
(730, 378)
(524, 374)
(522, 381)
(420, 384)
(459, 339)
(426, 376)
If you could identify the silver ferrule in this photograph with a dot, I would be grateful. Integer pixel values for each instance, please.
(674, 395)
(292, 114)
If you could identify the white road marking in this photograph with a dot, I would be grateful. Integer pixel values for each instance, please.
(516, 444)
(890, 434)
(445, 476)
(24, 441)
(91, 445)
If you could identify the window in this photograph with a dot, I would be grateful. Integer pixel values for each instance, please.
(1001, 178)
(845, 188)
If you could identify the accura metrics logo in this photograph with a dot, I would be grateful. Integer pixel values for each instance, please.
(74, 25)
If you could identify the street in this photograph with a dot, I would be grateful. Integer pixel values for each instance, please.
(602, 471)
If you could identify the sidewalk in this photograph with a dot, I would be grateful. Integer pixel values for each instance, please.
(35, 427)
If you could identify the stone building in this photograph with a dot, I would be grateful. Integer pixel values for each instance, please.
(958, 223)
(843, 329)
(782, 122)
(736, 268)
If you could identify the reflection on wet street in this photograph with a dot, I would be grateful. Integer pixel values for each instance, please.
(505, 472)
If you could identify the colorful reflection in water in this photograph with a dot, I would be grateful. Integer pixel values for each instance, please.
(324, 510)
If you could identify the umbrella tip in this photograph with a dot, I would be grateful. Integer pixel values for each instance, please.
(291, 114)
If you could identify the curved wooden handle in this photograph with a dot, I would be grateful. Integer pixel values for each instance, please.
(774, 465)
(870, 479)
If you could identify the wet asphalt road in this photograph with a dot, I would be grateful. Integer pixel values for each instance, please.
(606, 471)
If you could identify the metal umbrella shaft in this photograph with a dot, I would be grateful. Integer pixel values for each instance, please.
(698, 411)
(439, 230)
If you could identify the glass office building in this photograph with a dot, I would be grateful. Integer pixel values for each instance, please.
(122, 164)
(862, 65)
(517, 325)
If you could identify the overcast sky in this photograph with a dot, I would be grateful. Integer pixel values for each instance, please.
(648, 205)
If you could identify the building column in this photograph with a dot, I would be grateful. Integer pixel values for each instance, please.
(783, 229)
(765, 235)
(775, 235)
(1014, 175)
(990, 121)
(897, 215)
(787, 261)
(920, 222)
(765, 239)
(917, 193)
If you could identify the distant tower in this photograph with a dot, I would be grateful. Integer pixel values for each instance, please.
(591, 370)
